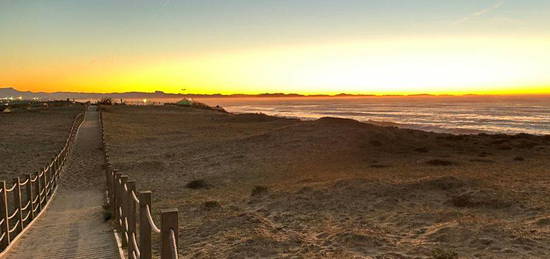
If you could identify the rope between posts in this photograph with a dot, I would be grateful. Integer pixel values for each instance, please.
(26, 206)
(26, 217)
(13, 215)
(2, 237)
(34, 179)
(135, 197)
(173, 244)
(136, 247)
(12, 188)
(25, 182)
(14, 227)
(150, 218)
(35, 199)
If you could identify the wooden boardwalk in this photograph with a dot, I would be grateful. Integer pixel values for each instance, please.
(73, 225)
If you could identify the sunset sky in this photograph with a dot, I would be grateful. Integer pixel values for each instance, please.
(256, 46)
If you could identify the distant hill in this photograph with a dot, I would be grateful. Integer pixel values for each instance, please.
(14, 93)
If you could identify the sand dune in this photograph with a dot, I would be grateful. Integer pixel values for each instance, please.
(274, 187)
(30, 139)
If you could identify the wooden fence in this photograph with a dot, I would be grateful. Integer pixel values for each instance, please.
(131, 212)
(35, 192)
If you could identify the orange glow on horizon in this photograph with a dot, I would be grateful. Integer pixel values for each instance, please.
(456, 66)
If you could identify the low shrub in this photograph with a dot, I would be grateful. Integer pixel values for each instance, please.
(105, 101)
(210, 205)
(197, 184)
(258, 190)
(107, 215)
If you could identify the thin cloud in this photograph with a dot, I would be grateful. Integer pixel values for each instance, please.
(480, 13)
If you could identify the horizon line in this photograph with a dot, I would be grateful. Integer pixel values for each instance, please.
(294, 94)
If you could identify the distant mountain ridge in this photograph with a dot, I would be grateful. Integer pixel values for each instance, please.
(7, 92)
(12, 92)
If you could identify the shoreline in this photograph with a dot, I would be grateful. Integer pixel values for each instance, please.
(430, 129)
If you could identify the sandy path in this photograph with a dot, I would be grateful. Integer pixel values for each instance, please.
(73, 225)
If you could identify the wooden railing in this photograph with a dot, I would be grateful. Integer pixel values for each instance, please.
(35, 192)
(131, 212)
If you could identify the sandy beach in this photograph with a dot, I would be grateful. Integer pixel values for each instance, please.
(251, 185)
(29, 139)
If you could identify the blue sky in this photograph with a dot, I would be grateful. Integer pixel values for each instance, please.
(238, 23)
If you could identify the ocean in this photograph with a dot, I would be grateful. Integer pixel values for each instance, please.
(466, 114)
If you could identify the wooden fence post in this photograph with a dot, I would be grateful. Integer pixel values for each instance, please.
(168, 223)
(131, 216)
(4, 215)
(109, 183)
(144, 227)
(107, 187)
(18, 205)
(44, 188)
(58, 166)
(52, 168)
(65, 152)
(116, 194)
(124, 206)
(56, 174)
(57, 162)
(38, 190)
(45, 178)
(29, 196)
(117, 176)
